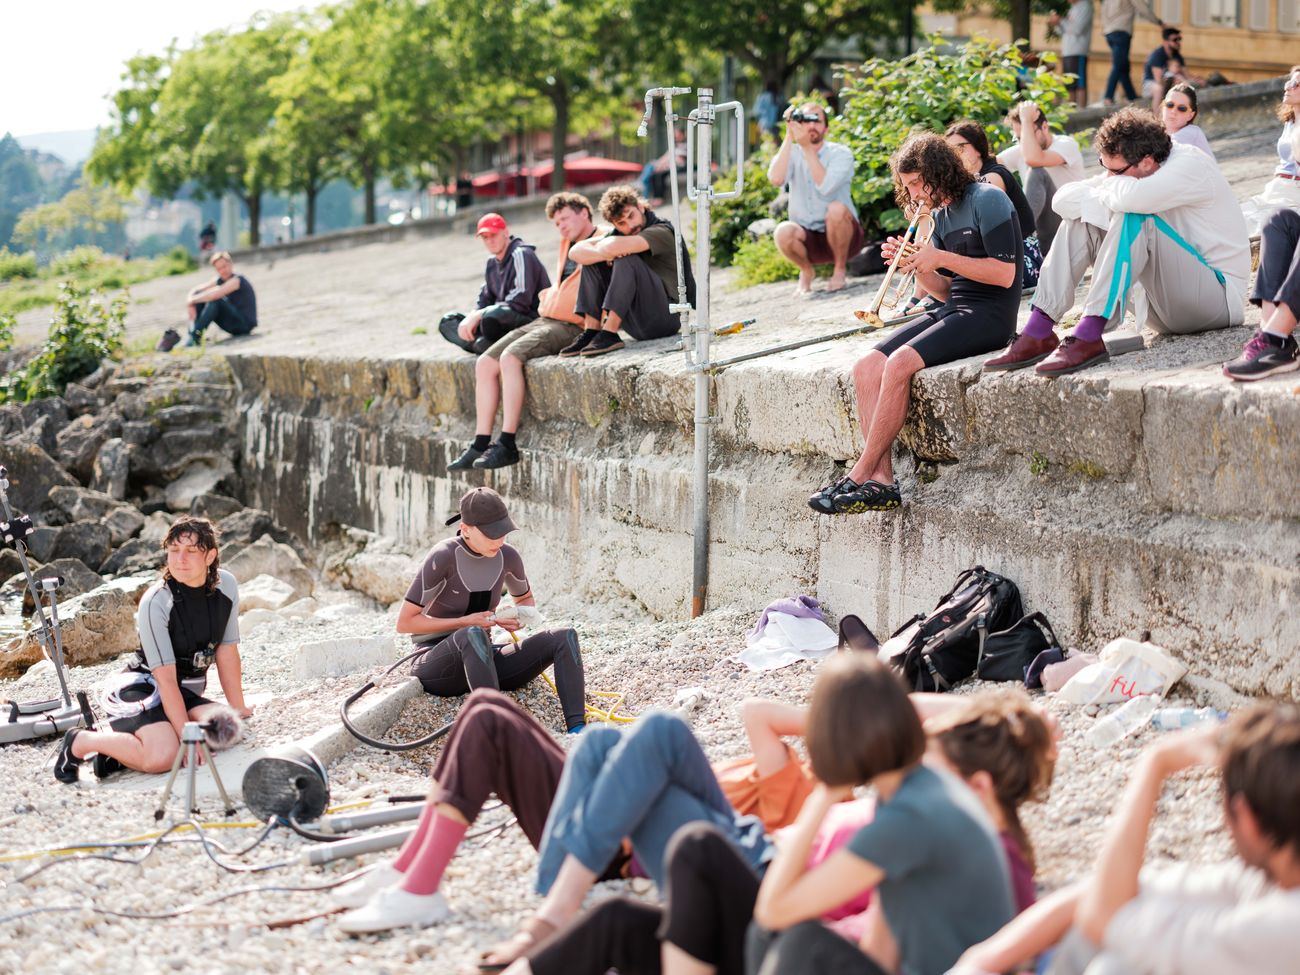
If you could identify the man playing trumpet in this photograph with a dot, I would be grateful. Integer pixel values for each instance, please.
(973, 263)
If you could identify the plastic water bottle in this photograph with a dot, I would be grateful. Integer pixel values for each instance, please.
(1171, 719)
(1122, 722)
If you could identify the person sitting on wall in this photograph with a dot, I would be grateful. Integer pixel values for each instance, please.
(629, 277)
(818, 175)
(499, 372)
(1272, 349)
(452, 604)
(227, 301)
(1045, 161)
(1163, 216)
(973, 263)
(1165, 68)
(513, 280)
(187, 621)
(1234, 918)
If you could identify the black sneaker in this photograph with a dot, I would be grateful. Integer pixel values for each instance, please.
(1264, 355)
(581, 342)
(105, 765)
(449, 327)
(65, 763)
(823, 501)
(497, 455)
(170, 339)
(480, 344)
(605, 341)
(868, 496)
(466, 460)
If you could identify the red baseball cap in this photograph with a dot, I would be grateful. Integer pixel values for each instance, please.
(491, 223)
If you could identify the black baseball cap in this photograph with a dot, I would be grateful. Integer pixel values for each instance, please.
(484, 509)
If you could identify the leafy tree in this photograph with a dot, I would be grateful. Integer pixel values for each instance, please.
(1017, 13)
(21, 186)
(86, 214)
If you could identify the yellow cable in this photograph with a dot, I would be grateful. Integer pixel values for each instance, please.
(608, 715)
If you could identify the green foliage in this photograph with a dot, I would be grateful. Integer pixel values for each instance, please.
(82, 213)
(759, 262)
(16, 265)
(731, 218)
(83, 331)
(75, 260)
(1038, 464)
(90, 269)
(886, 101)
(8, 324)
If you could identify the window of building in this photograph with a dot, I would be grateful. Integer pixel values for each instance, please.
(1216, 13)
(1170, 11)
(1288, 16)
(1259, 15)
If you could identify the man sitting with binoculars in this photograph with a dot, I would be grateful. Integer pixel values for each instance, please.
(823, 227)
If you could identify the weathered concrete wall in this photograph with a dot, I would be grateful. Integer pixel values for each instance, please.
(1155, 496)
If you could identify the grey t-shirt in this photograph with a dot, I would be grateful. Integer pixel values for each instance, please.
(153, 618)
(947, 885)
(808, 200)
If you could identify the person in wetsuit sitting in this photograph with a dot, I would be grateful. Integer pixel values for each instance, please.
(452, 604)
(187, 621)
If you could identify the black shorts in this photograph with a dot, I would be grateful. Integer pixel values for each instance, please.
(955, 332)
(134, 722)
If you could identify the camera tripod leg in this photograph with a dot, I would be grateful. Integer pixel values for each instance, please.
(226, 804)
(167, 788)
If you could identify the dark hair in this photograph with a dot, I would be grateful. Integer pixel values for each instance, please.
(860, 722)
(616, 199)
(1183, 88)
(1261, 763)
(205, 537)
(937, 162)
(1285, 112)
(574, 201)
(1014, 113)
(1133, 134)
(1004, 735)
(1169, 32)
(973, 133)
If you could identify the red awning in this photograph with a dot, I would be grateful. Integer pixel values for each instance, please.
(583, 171)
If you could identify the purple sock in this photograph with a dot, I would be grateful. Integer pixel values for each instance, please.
(1039, 325)
(1090, 328)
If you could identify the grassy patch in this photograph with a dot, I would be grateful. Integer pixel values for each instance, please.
(87, 269)
(1088, 469)
(1037, 464)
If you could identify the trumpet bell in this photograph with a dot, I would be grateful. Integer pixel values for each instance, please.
(868, 317)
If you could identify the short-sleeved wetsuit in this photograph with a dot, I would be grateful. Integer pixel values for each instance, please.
(456, 581)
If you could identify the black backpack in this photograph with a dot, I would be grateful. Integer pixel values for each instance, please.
(943, 647)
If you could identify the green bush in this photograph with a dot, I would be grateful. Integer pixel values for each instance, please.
(885, 101)
(759, 262)
(178, 260)
(730, 218)
(8, 324)
(83, 331)
(78, 259)
(16, 265)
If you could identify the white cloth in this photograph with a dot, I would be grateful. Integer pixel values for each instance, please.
(1193, 135)
(1117, 15)
(1194, 919)
(1068, 172)
(1076, 30)
(1190, 193)
(1286, 150)
(786, 639)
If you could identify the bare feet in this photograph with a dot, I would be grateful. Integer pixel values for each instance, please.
(804, 287)
(836, 282)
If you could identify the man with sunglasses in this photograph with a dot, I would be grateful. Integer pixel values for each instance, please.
(1163, 216)
(1164, 67)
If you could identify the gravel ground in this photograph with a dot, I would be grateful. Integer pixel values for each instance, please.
(490, 885)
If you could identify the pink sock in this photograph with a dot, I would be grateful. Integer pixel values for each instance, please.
(413, 842)
(1090, 328)
(1039, 325)
(439, 846)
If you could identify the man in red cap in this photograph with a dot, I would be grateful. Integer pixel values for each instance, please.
(513, 279)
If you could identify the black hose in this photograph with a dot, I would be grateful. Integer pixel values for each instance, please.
(307, 834)
(387, 746)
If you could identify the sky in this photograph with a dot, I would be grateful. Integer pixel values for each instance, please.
(60, 58)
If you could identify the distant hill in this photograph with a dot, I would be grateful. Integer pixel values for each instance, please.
(72, 147)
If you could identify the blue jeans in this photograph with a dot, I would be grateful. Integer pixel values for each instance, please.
(643, 784)
(224, 315)
(1119, 41)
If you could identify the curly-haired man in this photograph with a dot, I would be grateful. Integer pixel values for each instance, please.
(629, 277)
(1163, 216)
(973, 263)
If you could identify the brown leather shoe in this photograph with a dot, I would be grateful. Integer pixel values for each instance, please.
(1074, 354)
(1024, 351)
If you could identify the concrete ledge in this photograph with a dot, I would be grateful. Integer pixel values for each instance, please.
(1221, 107)
(378, 714)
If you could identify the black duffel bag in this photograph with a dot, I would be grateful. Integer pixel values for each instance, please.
(1006, 654)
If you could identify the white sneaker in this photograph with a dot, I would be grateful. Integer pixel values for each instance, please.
(392, 908)
(355, 893)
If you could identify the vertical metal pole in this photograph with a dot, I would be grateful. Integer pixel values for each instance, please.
(703, 332)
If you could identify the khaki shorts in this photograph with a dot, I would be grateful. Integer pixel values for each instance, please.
(544, 337)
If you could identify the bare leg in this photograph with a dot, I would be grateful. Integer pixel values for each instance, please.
(192, 311)
(677, 962)
(487, 390)
(790, 242)
(612, 321)
(512, 392)
(560, 906)
(839, 234)
(876, 462)
(1281, 319)
(148, 749)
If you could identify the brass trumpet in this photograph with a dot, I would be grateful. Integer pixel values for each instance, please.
(893, 293)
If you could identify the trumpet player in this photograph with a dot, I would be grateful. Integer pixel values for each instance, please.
(973, 262)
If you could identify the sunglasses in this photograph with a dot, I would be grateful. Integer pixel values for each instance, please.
(1178, 108)
(1119, 172)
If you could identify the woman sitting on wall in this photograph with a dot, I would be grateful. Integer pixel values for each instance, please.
(1179, 112)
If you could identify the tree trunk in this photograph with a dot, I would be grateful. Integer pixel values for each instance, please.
(1019, 20)
(559, 132)
(369, 172)
(311, 193)
(254, 203)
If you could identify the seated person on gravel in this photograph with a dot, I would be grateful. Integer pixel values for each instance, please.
(629, 278)
(187, 621)
(1162, 216)
(1045, 161)
(227, 301)
(499, 372)
(1234, 918)
(973, 263)
(999, 745)
(451, 605)
(513, 280)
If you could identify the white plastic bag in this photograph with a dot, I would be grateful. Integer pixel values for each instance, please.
(1126, 670)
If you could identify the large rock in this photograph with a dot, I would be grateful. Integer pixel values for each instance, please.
(10, 564)
(88, 541)
(138, 555)
(32, 475)
(268, 557)
(41, 434)
(96, 627)
(139, 433)
(382, 575)
(78, 578)
(199, 478)
(80, 399)
(41, 542)
(80, 440)
(155, 528)
(265, 592)
(111, 467)
(338, 658)
(248, 525)
(217, 507)
(50, 407)
(123, 523)
(84, 504)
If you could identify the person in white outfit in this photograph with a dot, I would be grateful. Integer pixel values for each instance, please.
(1179, 111)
